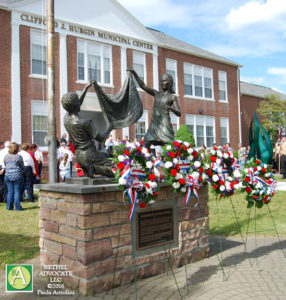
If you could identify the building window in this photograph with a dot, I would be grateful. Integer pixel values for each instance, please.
(93, 62)
(224, 132)
(174, 122)
(38, 53)
(222, 85)
(198, 81)
(39, 121)
(139, 65)
(141, 126)
(202, 128)
(171, 69)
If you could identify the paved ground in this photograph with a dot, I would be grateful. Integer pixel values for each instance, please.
(281, 186)
(245, 277)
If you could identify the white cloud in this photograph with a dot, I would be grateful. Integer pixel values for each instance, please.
(256, 11)
(280, 72)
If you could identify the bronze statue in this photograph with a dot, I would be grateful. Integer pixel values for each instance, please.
(83, 133)
(161, 130)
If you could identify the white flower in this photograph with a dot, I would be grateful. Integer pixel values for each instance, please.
(265, 166)
(179, 176)
(122, 158)
(205, 177)
(147, 155)
(236, 173)
(207, 166)
(218, 161)
(183, 189)
(153, 184)
(179, 141)
(261, 192)
(151, 201)
(149, 164)
(149, 191)
(222, 188)
(241, 184)
(175, 160)
(122, 181)
(169, 147)
(168, 165)
(267, 174)
(195, 174)
(190, 157)
(236, 186)
(144, 150)
(212, 152)
(215, 178)
(176, 185)
(197, 164)
(190, 150)
(157, 172)
(225, 155)
(137, 144)
(259, 168)
(219, 153)
(227, 186)
(187, 144)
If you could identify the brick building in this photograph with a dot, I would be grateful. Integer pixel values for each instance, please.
(99, 41)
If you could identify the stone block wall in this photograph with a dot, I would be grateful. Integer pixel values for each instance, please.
(79, 228)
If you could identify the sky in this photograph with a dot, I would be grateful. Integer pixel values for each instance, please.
(249, 32)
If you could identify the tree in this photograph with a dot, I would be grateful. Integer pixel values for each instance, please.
(273, 111)
(184, 135)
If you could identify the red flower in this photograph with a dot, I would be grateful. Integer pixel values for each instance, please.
(255, 169)
(221, 182)
(178, 167)
(263, 170)
(195, 154)
(185, 147)
(178, 153)
(172, 154)
(176, 144)
(173, 172)
(126, 152)
(258, 161)
(139, 149)
(248, 189)
(147, 185)
(201, 170)
(213, 158)
(215, 148)
(265, 197)
(142, 205)
(231, 184)
(152, 177)
(182, 181)
(200, 179)
(247, 179)
(215, 186)
(120, 165)
(209, 172)
(155, 194)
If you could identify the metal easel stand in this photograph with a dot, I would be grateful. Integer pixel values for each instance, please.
(219, 252)
(264, 230)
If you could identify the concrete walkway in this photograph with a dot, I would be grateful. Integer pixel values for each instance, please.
(245, 276)
(281, 186)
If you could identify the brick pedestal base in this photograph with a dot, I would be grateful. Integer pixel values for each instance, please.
(79, 228)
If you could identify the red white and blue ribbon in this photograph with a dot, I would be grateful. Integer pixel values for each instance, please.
(184, 166)
(193, 185)
(138, 173)
(157, 162)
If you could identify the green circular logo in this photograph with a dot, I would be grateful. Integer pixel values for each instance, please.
(19, 277)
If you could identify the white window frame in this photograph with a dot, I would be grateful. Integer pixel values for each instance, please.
(144, 118)
(193, 120)
(225, 119)
(38, 37)
(175, 120)
(224, 74)
(190, 69)
(38, 108)
(171, 65)
(140, 58)
(85, 47)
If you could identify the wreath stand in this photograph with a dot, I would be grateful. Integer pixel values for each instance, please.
(167, 253)
(219, 252)
(263, 230)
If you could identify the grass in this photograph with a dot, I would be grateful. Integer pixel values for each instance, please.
(19, 233)
(228, 222)
(279, 177)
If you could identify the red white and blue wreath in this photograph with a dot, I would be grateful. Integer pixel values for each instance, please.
(223, 172)
(136, 171)
(258, 182)
(183, 168)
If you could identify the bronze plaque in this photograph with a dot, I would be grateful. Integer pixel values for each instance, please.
(155, 227)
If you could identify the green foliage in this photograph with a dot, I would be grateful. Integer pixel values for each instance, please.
(273, 111)
(183, 134)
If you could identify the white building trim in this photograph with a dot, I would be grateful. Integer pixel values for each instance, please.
(155, 72)
(16, 85)
(123, 64)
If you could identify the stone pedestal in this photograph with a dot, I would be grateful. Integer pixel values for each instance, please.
(79, 228)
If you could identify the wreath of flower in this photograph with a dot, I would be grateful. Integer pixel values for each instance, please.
(258, 182)
(223, 172)
(183, 168)
(136, 172)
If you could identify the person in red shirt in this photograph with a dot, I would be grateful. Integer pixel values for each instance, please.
(32, 150)
(79, 170)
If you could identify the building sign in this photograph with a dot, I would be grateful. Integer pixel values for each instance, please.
(98, 35)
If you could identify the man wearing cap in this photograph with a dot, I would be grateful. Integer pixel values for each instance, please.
(282, 154)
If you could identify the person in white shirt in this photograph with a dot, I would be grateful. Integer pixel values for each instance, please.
(65, 167)
(29, 170)
(3, 186)
(109, 145)
(66, 150)
(40, 159)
